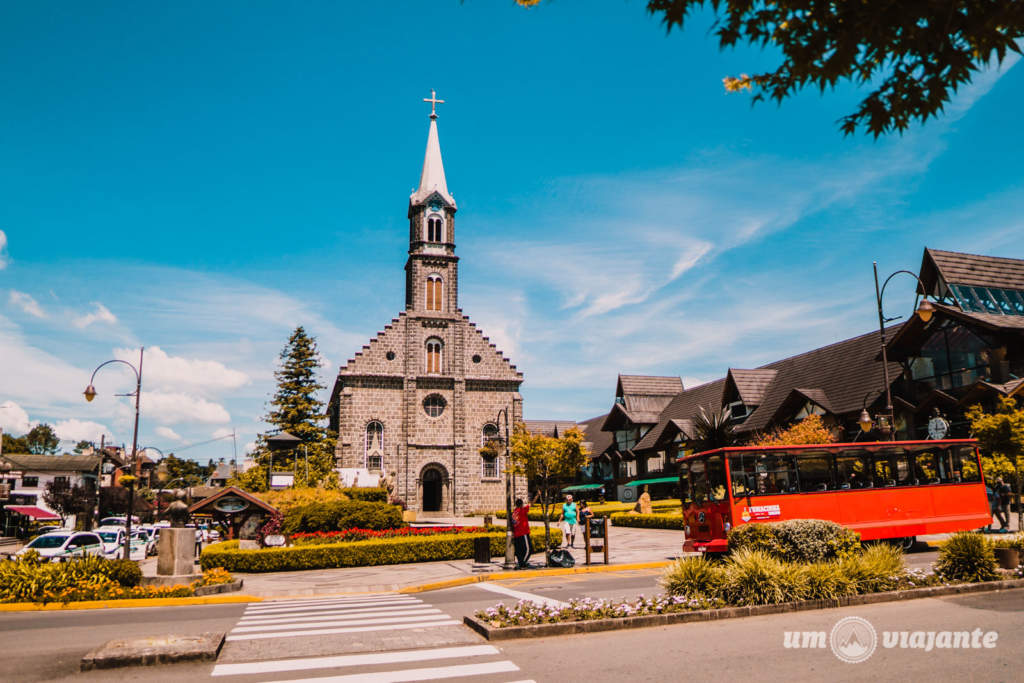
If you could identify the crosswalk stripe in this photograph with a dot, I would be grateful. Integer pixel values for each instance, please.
(312, 608)
(424, 674)
(332, 631)
(339, 661)
(328, 617)
(400, 619)
(541, 600)
(319, 601)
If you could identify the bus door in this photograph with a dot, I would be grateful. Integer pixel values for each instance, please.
(707, 513)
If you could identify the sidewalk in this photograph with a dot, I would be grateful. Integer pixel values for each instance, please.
(628, 547)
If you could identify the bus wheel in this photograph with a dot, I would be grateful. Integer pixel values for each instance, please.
(906, 543)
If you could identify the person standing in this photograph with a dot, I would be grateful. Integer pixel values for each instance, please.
(1002, 491)
(521, 533)
(569, 525)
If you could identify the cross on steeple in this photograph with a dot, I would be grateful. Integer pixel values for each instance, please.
(433, 103)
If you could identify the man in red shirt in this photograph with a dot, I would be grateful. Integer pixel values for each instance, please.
(521, 533)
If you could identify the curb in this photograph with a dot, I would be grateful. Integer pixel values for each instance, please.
(500, 576)
(132, 602)
(598, 625)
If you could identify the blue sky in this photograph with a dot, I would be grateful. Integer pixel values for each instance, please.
(201, 178)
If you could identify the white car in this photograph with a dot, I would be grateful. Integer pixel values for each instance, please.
(152, 533)
(113, 542)
(58, 546)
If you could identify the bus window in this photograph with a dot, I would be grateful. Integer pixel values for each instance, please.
(923, 468)
(815, 471)
(685, 495)
(743, 467)
(892, 468)
(776, 473)
(852, 472)
(716, 478)
(965, 464)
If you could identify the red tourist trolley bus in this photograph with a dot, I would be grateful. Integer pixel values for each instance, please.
(884, 490)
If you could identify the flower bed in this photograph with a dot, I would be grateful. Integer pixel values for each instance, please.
(349, 535)
(398, 550)
(652, 521)
(91, 578)
(526, 613)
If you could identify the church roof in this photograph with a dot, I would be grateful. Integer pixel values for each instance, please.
(432, 178)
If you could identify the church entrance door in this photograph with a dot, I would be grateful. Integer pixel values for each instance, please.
(432, 490)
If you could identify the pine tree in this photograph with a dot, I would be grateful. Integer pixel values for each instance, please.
(296, 409)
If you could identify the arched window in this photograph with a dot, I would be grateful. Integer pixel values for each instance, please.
(434, 229)
(374, 449)
(488, 433)
(488, 462)
(434, 291)
(434, 357)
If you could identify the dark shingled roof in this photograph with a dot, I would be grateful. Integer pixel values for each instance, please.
(598, 441)
(52, 463)
(683, 407)
(649, 385)
(969, 269)
(751, 384)
(549, 427)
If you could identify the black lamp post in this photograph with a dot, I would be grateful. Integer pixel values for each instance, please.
(90, 394)
(924, 312)
(510, 561)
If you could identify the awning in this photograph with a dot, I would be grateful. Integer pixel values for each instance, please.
(581, 487)
(32, 511)
(659, 480)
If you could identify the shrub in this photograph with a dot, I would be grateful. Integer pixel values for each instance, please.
(358, 554)
(753, 577)
(1015, 541)
(372, 495)
(349, 535)
(652, 521)
(90, 578)
(599, 509)
(125, 572)
(797, 540)
(213, 577)
(967, 556)
(827, 581)
(693, 577)
(878, 568)
(288, 499)
(339, 515)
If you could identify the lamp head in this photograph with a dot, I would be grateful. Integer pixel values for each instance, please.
(90, 393)
(865, 421)
(925, 310)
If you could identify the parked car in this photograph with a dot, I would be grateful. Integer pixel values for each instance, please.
(50, 527)
(153, 535)
(113, 542)
(58, 546)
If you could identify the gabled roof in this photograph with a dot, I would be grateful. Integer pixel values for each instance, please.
(751, 385)
(942, 268)
(230, 491)
(648, 385)
(28, 462)
(597, 439)
(683, 407)
(796, 400)
(549, 427)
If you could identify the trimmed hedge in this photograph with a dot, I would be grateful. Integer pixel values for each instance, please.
(654, 521)
(374, 495)
(340, 515)
(796, 540)
(359, 553)
(599, 509)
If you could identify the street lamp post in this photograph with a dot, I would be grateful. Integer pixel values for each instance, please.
(924, 312)
(510, 561)
(90, 394)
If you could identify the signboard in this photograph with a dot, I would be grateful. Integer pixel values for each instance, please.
(281, 480)
(595, 536)
(230, 504)
(760, 512)
(596, 527)
(274, 540)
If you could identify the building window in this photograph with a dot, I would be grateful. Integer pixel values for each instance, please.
(434, 405)
(435, 229)
(434, 355)
(434, 291)
(29, 482)
(374, 453)
(489, 467)
(59, 482)
(488, 433)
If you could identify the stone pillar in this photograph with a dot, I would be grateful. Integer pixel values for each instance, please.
(176, 552)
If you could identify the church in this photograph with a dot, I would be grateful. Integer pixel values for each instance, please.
(420, 399)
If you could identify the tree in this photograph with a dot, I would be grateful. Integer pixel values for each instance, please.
(114, 501)
(83, 446)
(1000, 436)
(14, 444)
(296, 409)
(712, 429)
(67, 500)
(809, 430)
(914, 55)
(546, 462)
(42, 440)
(189, 471)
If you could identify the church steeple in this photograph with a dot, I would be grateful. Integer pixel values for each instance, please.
(432, 269)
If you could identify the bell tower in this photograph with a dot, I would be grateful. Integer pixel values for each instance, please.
(431, 273)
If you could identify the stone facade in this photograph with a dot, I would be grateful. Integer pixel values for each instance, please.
(415, 401)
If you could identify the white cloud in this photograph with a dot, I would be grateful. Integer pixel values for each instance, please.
(26, 303)
(100, 314)
(221, 432)
(168, 433)
(4, 258)
(80, 430)
(249, 447)
(177, 373)
(172, 408)
(14, 419)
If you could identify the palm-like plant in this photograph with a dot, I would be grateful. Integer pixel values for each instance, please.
(712, 429)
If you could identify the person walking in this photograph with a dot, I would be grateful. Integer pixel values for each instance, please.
(569, 525)
(521, 534)
(1002, 491)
